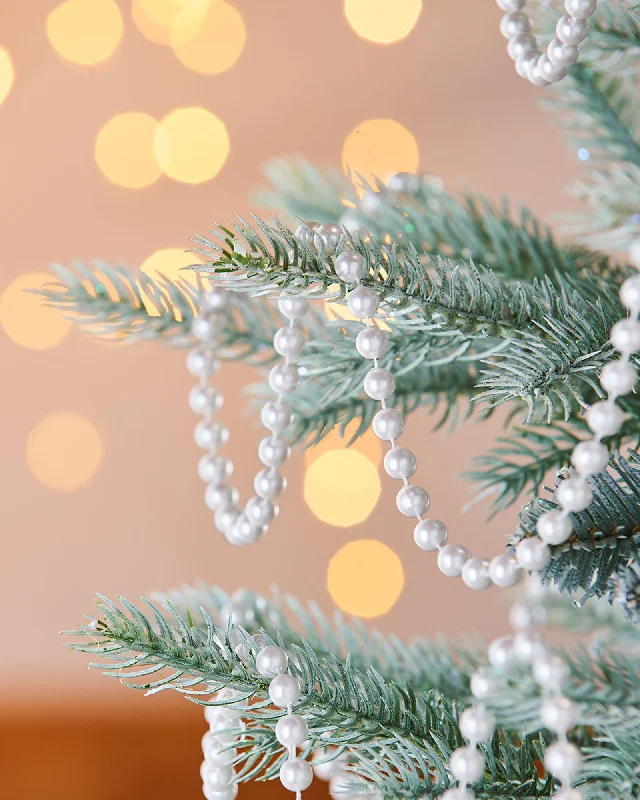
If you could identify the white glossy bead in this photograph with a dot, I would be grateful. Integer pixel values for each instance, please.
(213, 751)
(504, 570)
(293, 307)
(430, 534)
(466, 764)
(558, 714)
(548, 71)
(217, 496)
(288, 342)
(210, 435)
(475, 573)
(563, 760)
(224, 720)
(204, 327)
(291, 730)
(400, 463)
(362, 302)
(379, 383)
(553, 527)
(404, 183)
(244, 531)
(625, 336)
(534, 75)
(218, 299)
(477, 724)
(205, 400)
(580, 9)
(241, 609)
(519, 46)
(511, 5)
(630, 289)
(296, 775)
(451, 559)
(388, 424)
(605, 418)
(201, 361)
(522, 617)
(501, 652)
(304, 232)
(412, 501)
(273, 452)
(350, 266)
(371, 342)
(618, 377)
(532, 554)
(574, 494)
(524, 62)
(528, 645)
(260, 511)
(225, 517)
(218, 776)
(550, 671)
(341, 788)
(567, 794)
(284, 691)
(214, 469)
(269, 483)
(230, 793)
(484, 684)
(327, 769)
(589, 457)
(271, 661)
(514, 23)
(276, 415)
(353, 223)
(571, 30)
(327, 235)
(458, 793)
(561, 54)
(283, 378)
(371, 202)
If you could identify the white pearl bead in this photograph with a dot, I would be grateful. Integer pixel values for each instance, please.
(451, 559)
(288, 342)
(230, 793)
(218, 776)
(589, 457)
(260, 511)
(201, 361)
(362, 302)
(580, 9)
(276, 415)
(532, 554)
(553, 527)
(458, 793)
(271, 661)
(327, 769)
(528, 645)
(625, 336)
(504, 570)
(244, 531)
(475, 573)
(214, 469)
(563, 760)
(340, 788)
(558, 714)
(293, 307)
(353, 223)
(430, 534)
(574, 494)
(567, 794)
(501, 652)
(630, 289)
(466, 764)
(524, 62)
(514, 23)
(225, 517)
(204, 327)
(291, 730)
(400, 463)
(388, 424)
(511, 5)
(241, 609)
(404, 183)
(210, 435)
(223, 720)
(484, 684)
(412, 501)
(379, 383)
(205, 400)
(561, 54)
(371, 202)
(534, 75)
(284, 691)
(328, 235)
(477, 724)
(519, 46)
(273, 452)
(350, 266)
(550, 671)
(296, 775)
(604, 418)
(571, 30)
(217, 496)
(212, 748)
(304, 232)
(218, 299)
(522, 617)
(371, 342)
(548, 71)
(269, 483)
(283, 378)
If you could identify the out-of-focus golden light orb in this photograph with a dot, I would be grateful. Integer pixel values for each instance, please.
(7, 74)
(382, 21)
(168, 263)
(368, 444)
(158, 19)
(25, 319)
(124, 150)
(342, 487)
(85, 31)
(64, 451)
(365, 578)
(191, 145)
(380, 148)
(209, 39)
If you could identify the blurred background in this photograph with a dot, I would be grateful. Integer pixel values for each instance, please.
(125, 127)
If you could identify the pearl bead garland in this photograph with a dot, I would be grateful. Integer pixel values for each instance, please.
(539, 68)
(217, 771)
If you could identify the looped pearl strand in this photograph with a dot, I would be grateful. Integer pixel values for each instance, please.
(225, 729)
(539, 68)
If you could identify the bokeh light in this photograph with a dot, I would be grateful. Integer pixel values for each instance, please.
(25, 319)
(365, 578)
(209, 39)
(64, 451)
(191, 145)
(85, 31)
(380, 148)
(368, 444)
(168, 263)
(382, 21)
(124, 150)
(158, 19)
(342, 487)
(7, 74)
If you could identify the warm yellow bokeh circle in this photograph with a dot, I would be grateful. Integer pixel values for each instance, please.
(365, 578)
(191, 145)
(380, 148)
(25, 319)
(124, 150)
(209, 40)
(64, 451)
(382, 21)
(170, 262)
(7, 74)
(342, 487)
(368, 444)
(157, 20)
(85, 31)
